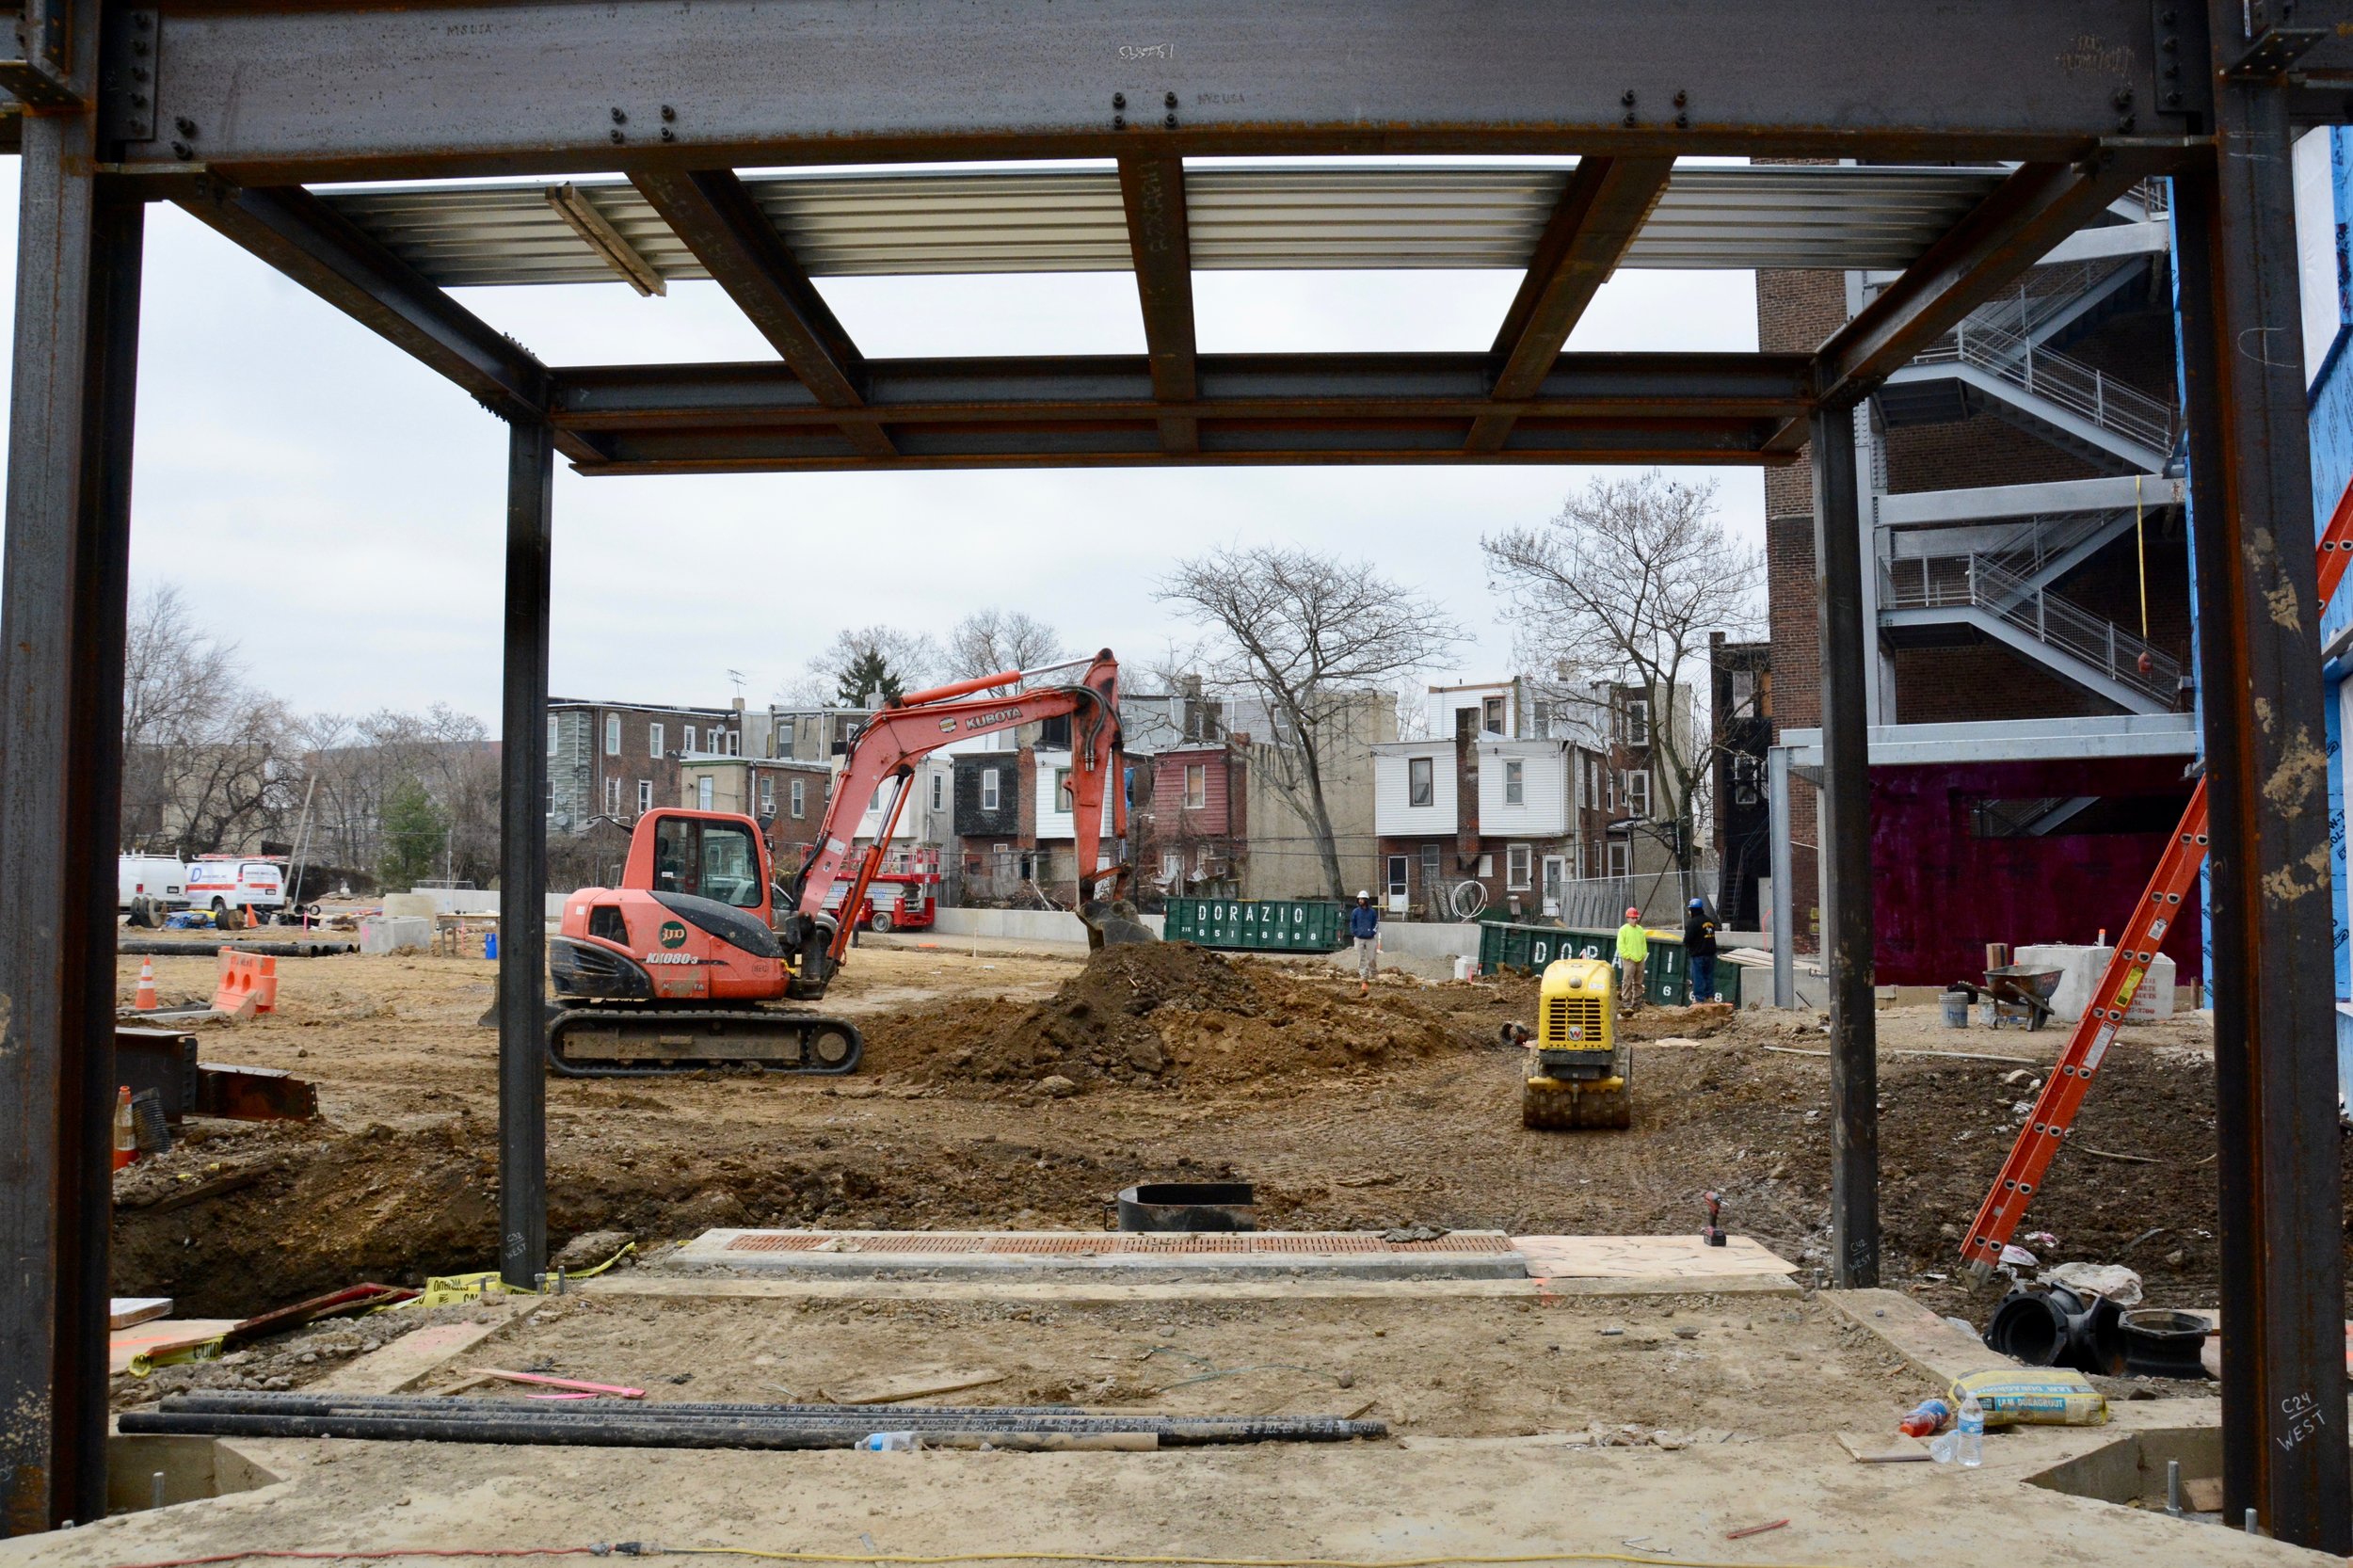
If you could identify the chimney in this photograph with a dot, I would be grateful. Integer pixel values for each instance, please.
(1466, 788)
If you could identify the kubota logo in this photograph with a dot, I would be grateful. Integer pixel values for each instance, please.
(673, 934)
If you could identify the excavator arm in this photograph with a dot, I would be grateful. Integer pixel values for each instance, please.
(920, 722)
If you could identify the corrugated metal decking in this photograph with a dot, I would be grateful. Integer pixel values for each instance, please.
(1332, 215)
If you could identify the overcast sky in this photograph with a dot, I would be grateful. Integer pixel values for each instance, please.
(336, 509)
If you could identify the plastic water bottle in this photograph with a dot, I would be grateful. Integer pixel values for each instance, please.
(1972, 1433)
(1928, 1416)
(888, 1442)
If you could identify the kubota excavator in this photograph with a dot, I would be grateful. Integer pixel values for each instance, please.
(667, 972)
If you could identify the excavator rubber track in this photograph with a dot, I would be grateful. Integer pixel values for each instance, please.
(619, 1040)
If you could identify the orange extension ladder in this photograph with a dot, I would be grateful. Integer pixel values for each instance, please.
(2063, 1091)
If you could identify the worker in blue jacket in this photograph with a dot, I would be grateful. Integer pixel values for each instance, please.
(1363, 924)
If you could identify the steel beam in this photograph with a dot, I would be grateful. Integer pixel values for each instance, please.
(1152, 189)
(1844, 829)
(2038, 206)
(2281, 1230)
(523, 859)
(1784, 893)
(716, 218)
(318, 247)
(292, 92)
(1232, 387)
(1600, 210)
(62, 591)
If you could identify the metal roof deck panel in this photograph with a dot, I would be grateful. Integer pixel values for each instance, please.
(1334, 217)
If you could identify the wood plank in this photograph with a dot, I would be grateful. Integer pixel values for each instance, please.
(157, 1332)
(129, 1311)
(1872, 1448)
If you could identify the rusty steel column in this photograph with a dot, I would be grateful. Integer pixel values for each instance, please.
(523, 859)
(2284, 1383)
(61, 629)
(1845, 830)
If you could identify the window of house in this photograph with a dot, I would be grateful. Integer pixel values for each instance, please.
(1063, 800)
(1491, 714)
(735, 742)
(689, 737)
(767, 798)
(653, 740)
(939, 788)
(1519, 863)
(1196, 786)
(1638, 721)
(1172, 864)
(1618, 850)
(1421, 780)
(989, 796)
(1637, 791)
(551, 734)
(784, 736)
(702, 792)
(1486, 866)
(800, 798)
(613, 734)
(645, 796)
(1431, 875)
(1516, 783)
(611, 797)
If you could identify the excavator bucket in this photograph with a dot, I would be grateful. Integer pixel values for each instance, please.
(1112, 922)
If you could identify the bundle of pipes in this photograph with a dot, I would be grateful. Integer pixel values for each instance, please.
(437, 1418)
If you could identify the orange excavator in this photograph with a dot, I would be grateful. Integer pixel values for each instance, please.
(671, 972)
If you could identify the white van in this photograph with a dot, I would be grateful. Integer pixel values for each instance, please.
(219, 882)
(160, 877)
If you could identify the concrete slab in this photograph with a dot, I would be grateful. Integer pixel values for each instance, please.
(1686, 1258)
(949, 1255)
(1932, 1347)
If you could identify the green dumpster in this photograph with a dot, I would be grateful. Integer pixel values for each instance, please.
(1256, 925)
(1667, 972)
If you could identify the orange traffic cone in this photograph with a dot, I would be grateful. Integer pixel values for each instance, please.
(145, 1000)
(126, 1134)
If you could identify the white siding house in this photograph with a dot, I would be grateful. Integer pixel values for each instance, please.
(1537, 772)
(930, 814)
(1054, 821)
(1413, 789)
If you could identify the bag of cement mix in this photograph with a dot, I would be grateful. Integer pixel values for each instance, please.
(2034, 1396)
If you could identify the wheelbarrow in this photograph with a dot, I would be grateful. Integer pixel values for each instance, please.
(2021, 993)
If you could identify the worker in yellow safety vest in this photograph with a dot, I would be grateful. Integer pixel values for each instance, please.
(1633, 952)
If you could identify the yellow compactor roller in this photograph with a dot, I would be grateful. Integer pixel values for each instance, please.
(1576, 1068)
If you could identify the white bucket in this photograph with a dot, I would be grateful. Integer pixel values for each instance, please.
(1466, 967)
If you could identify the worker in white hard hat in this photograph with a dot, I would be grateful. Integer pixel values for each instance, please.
(1633, 957)
(1364, 925)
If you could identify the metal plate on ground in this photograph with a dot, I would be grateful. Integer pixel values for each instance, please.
(1458, 1255)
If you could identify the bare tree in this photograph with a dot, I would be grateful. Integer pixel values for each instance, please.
(987, 641)
(204, 755)
(910, 659)
(1312, 637)
(1617, 594)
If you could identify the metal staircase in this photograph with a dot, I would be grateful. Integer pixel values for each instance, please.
(2004, 359)
(1937, 601)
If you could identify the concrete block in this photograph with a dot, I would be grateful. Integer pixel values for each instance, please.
(407, 904)
(382, 934)
(2080, 968)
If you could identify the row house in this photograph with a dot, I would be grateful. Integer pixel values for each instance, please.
(1192, 819)
(788, 798)
(612, 761)
(1527, 796)
(1015, 833)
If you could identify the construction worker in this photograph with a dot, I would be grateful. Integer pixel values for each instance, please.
(1633, 953)
(1699, 945)
(1363, 924)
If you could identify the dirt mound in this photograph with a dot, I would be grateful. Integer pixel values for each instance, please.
(1165, 1015)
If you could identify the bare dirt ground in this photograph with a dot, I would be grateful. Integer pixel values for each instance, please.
(1346, 1113)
